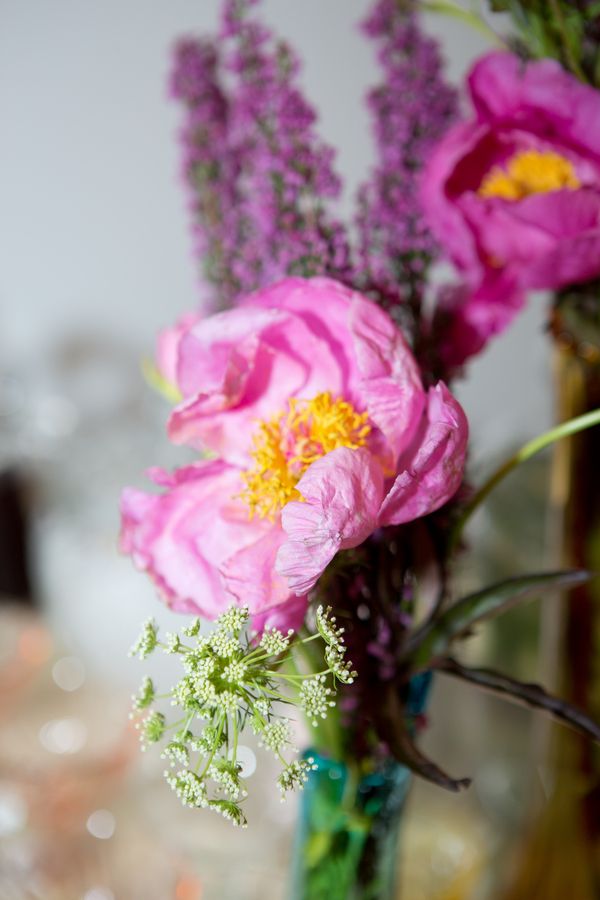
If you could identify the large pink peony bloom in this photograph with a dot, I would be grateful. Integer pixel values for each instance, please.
(313, 406)
(514, 193)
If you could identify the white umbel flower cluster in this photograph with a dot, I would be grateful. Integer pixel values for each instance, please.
(314, 698)
(229, 681)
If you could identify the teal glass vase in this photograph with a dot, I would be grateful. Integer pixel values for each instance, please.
(347, 837)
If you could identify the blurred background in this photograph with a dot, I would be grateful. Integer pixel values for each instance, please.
(96, 258)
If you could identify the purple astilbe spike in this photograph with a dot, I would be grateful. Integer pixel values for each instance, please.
(280, 224)
(208, 168)
(410, 109)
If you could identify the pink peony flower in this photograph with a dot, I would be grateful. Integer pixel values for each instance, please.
(514, 194)
(312, 402)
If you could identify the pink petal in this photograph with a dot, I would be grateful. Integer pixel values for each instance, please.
(468, 318)
(249, 575)
(216, 361)
(289, 615)
(168, 343)
(431, 470)
(439, 188)
(570, 221)
(243, 365)
(182, 535)
(495, 85)
(390, 385)
(545, 240)
(343, 492)
(538, 96)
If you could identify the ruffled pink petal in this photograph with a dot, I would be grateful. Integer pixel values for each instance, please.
(216, 361)
(441, 182)
(249, 575)
(342, 492)
(544, 241)
(539, 96)
(570, 220)
(243, 365)
(323, 305)
(290, 615)
(432, 469)
(181, 536)
(495, 85)
(167, 346)
(390, 385)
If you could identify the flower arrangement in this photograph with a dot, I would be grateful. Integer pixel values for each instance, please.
(319, 524)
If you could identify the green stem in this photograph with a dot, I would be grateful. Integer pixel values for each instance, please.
(259, 654)
(235, 739)
(214, 752)
(565, 429)
(183, 648)
(570, 54)
(299, 676)
(450, 8)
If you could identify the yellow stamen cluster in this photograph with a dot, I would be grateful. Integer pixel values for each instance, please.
(286, 445)
(530, 172)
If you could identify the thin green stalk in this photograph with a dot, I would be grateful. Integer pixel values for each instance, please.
(174, 725)
(235, 738)
(570, 54)
(299, 676)
(258, 655)
(565, 429)
(214, 752)
(327, 727)
(450, 8)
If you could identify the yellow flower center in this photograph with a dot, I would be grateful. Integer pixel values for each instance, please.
(286, 445)
(530, 172)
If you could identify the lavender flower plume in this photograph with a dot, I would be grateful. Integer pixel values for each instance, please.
(208, 168)
(261, 179)
(410, 110)
(280, 224)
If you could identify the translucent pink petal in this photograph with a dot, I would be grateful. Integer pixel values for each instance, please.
(289, 615)
(462, 142)
(249, 575)
(390, 385)
(432, 468)
(342, 492)
(216, 361)
(495, 85)
(167, 346)
(181, 536)
(242, 366)
(540, 97)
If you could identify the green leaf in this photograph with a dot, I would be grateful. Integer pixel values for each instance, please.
(434, 637)
(526, 694)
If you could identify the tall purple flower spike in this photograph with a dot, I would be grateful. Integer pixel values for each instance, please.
(411, 109)
(261, 180)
